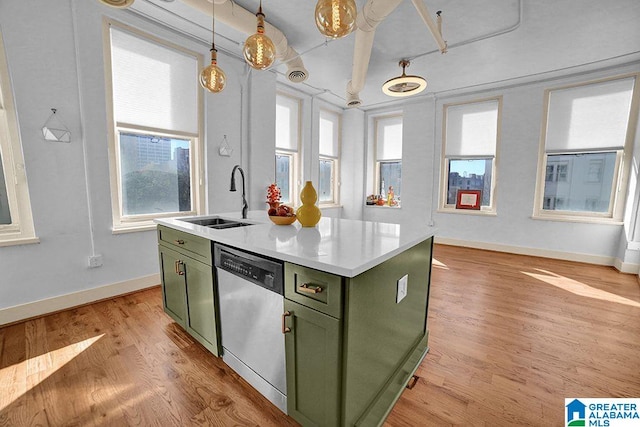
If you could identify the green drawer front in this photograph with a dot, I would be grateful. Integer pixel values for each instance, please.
(315, 289)
(199, 247)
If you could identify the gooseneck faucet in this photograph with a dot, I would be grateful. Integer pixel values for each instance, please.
(245, 207)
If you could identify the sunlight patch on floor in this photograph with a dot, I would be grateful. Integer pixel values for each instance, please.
(579, 288)
(439, 264)
(16, 380)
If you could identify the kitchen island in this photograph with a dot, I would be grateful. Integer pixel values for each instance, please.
(354, 312)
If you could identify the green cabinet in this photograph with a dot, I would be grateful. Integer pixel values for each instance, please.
(312, 349)
(188, 288)
(352, 347)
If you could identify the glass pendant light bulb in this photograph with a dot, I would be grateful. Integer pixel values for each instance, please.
(259, 51)
(212, 77)
(336, 18)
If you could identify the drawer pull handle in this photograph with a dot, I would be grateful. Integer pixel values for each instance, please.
(310, 289)
(412, 381)
(179, 242)
(178, 271)
(285, 328)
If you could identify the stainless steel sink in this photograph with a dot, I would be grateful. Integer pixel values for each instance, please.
(216, 222)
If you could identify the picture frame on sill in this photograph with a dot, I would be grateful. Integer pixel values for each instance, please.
(469, 199)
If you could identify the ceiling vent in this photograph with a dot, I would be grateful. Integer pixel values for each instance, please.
(353, 100)
(297, 75)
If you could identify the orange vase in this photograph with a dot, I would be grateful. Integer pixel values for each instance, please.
(308, 214)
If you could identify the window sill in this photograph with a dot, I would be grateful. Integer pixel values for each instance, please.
(580, 219)
(329, 206)
(468, 212)
(19, 241)
(382, 206)
(133, 228)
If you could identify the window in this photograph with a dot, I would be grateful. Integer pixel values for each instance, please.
(287, 146)
(388, 151)
(155, 149)
(470, 142)
(585, 134)
(329, 136)
(16, 222)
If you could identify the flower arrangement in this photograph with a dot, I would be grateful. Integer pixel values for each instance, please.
(275, 208)
(273, 196)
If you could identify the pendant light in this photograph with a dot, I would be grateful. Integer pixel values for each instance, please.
(212, 77)
(119, 4)
(404, 85)
(259, 51)
(336, 18)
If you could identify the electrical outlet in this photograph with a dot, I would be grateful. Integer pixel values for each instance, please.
(402, 288)
(95, 261)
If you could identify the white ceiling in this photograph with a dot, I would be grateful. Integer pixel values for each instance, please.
(489, 41)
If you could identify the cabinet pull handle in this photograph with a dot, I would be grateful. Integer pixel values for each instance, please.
(285, 328)
(179, 242)
(412, 381)
(309, 289)
(178, 271)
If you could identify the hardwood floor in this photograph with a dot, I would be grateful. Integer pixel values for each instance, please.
(510, 337)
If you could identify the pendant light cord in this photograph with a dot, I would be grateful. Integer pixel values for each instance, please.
(213, 24)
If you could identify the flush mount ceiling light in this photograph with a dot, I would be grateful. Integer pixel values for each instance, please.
(336, 18)
(212, 77)
(121, 4)
(259, 51)
(404, 85)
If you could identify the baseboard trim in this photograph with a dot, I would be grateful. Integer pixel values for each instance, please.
(543, 253)
(50, 305)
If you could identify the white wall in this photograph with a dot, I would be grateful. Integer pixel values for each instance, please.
(512, 228)
(42, 56)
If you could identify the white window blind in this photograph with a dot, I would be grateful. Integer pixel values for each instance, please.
(589, 118)
(287, 123)
(472, 129)
(329, 127)
(153, 86)
(389, 138)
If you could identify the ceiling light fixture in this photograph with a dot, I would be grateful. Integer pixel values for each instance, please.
(336, 18)
(259, 51)
(212, 77)
(404, 85)
(120, 4)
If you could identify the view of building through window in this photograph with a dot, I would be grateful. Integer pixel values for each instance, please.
(390, 179)
(470, 174)
(325, 190)
(155, 174)
(579, 182)
(283, 176)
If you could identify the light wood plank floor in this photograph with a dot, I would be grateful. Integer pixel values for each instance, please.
(510, 337)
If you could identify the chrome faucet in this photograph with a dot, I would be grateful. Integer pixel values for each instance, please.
(245, 207)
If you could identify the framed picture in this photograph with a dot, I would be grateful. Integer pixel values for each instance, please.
(469, 199)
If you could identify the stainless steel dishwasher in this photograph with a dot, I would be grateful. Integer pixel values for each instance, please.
(251, 292)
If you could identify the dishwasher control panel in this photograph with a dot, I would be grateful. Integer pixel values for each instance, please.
(264, 272)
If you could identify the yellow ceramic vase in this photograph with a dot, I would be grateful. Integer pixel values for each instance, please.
(308, 214)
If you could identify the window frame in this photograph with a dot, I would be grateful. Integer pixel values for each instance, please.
(132, 223)
(294, 154)
(443, 205)
(377, 162)
(21, 229)
(622, 166)
(336, 118)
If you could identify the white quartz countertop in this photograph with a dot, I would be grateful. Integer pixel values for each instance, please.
(338, 246)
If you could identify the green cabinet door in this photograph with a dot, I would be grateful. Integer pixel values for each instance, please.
(173, 285)
(313, 366)
(201, 304)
